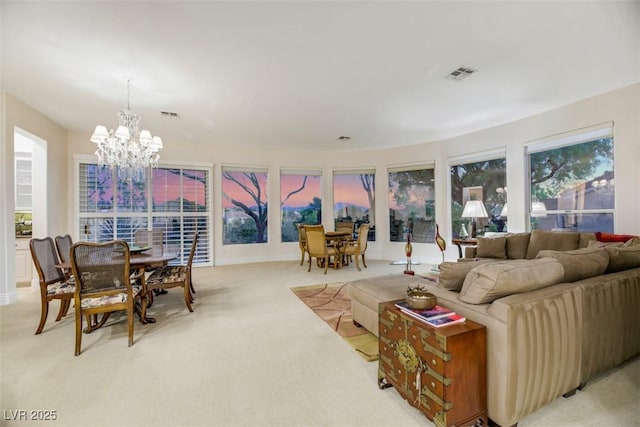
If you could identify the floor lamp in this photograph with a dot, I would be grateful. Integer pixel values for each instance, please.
(474, 209)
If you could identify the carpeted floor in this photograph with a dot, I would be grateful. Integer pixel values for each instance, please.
(332, 303)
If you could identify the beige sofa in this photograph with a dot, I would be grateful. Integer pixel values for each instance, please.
(547, 334)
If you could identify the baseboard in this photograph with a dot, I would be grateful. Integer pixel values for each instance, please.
(10, 297)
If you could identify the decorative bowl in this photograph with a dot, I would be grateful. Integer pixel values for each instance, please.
(419, 299)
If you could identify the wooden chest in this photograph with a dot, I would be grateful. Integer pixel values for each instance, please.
(440, 371)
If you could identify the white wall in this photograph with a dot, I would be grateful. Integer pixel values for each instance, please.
(621, 106)
(17, 114)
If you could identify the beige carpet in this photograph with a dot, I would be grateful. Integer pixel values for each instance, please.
(332, 303)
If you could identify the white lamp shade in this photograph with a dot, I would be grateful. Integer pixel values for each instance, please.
(503, 212)
(145, 136)
(122, 132)
(474, 209)
(156, 142)
(538, 209)
(100, 134)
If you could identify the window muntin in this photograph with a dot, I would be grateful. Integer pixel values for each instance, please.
(485, 180)
(300, 202)
(572, 185)
(354, 199)
(244, 205)
(100, 220)
(412, 205)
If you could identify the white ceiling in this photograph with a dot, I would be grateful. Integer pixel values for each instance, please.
(300, 74)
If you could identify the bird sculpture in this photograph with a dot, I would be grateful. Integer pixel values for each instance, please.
(442, 244)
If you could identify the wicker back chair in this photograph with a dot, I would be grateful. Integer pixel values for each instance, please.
(153, 238)
(358, 247)
(53, 282)
(317, 246)
(63, 244)
(103, 284)
(172, 276)
(302, 241)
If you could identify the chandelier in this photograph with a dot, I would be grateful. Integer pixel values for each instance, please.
(128, 149)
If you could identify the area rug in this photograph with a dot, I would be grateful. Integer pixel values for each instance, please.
(332, 303)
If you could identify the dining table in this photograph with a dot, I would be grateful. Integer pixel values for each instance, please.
(338, 239)
(139, 262)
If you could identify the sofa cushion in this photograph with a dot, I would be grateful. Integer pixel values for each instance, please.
(623, 258)
(554, 240)
(452, 274)
(598, 244)
(491, 281)
(632, 242)
(492, 247)
(517, 244)
(585, 239)
(579, 264)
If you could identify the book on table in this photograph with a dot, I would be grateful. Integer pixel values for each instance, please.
(432, 313)
(437, 316)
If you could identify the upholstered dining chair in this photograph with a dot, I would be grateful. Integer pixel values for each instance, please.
(152, 238)
(317, 246)
(171, 276)
(103, 284)
(346, 226)
(63, 245)
(358, 247)
(302, 241)
(53, 282)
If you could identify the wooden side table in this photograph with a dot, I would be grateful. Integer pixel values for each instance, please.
(463, 242)
(440, 371)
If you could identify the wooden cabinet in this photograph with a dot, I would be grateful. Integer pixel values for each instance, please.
(440, 371)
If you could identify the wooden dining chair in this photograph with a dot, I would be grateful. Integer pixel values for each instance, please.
(53, 282)
(103, 284)
(317, 246)
(152, 238)
(171, 276)
(302, 241)
(63, 245)
(358, 247)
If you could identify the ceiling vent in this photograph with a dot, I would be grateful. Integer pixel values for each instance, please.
(169, 114)
(460, 73)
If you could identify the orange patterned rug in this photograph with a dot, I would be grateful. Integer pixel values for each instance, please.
(332, 303)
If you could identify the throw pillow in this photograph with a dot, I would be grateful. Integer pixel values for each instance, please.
(452, 274)
(598, 244)
(517, 245)
(579, 264)
(554, 240)
(489, 282)
(612, 237)
(623, 258)
(492, 247)
(632, 242)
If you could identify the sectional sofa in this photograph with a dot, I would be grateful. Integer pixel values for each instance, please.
(559, 307)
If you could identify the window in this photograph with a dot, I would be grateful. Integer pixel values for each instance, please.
(572, 182)
(244, 204)
(300, 202)
(412, 204)
(354, 199)
(484, 180)
(111, 206)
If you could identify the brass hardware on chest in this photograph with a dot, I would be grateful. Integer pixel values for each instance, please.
(407, 356)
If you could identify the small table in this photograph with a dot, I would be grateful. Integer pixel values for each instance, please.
(338, 238)
(463, 242)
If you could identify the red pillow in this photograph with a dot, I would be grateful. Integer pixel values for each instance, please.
(610, 237)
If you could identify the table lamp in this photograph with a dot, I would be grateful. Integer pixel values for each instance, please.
(474, 209)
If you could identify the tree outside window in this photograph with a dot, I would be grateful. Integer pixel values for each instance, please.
(490, 177)
(354, 199)
(244, 204)
(300, 203)
(573, 186)
(412, 205)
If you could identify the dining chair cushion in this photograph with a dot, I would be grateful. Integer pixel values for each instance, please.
(60, 288)
(168, 274)
(105, 300)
